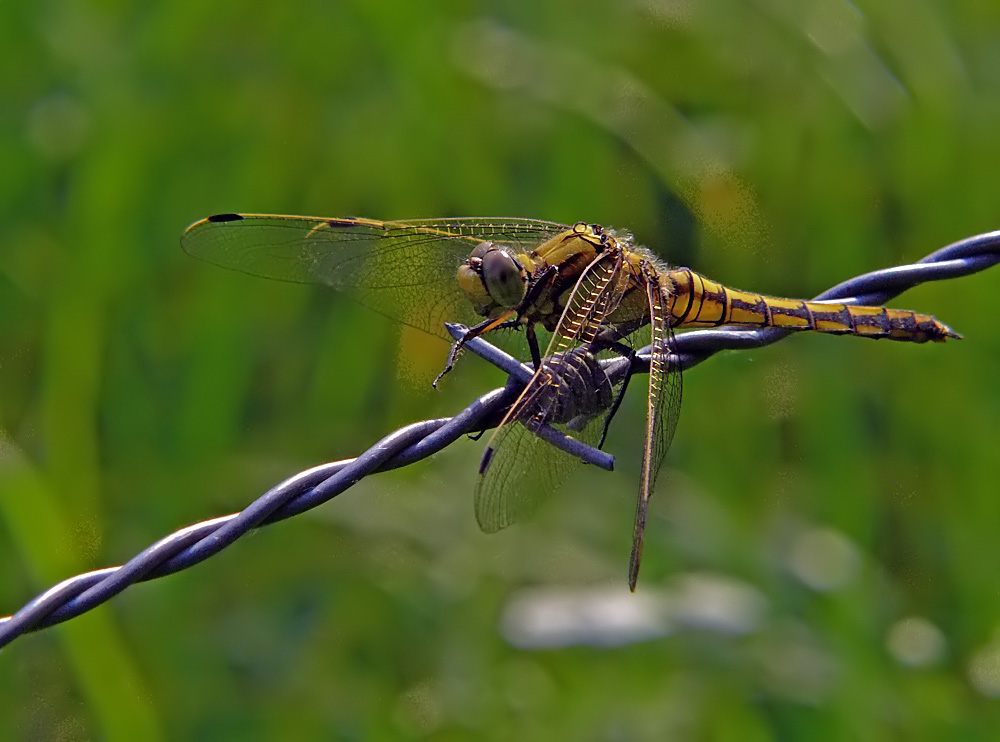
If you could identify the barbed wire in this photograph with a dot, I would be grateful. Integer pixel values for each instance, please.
(312, 487)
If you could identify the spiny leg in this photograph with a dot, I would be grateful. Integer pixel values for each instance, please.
(536, 355)
(609, 339)
(473, 332)
(631, 356)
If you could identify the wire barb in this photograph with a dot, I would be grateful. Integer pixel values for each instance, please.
(416, 441)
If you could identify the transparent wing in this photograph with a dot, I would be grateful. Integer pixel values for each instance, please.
(519, 469)
(570, 393)
(405, 270)
(664, 406)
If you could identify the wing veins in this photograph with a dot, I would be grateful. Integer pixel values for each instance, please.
(595, 291)
(662, 409)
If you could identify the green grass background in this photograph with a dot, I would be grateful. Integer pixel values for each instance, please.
(780, 146)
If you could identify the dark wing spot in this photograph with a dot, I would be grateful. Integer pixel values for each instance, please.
(341, 223)
(225, 218)
(485, 463)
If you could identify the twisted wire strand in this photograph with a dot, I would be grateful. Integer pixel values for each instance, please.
(312, 487)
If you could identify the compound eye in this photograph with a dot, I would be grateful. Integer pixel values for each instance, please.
(502, 277)
(481, 249)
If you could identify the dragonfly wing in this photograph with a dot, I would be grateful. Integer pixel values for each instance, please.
(519, 469)
(664, 405)
(405, 270)
(570, 392)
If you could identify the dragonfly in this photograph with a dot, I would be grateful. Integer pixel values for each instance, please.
(595, 290)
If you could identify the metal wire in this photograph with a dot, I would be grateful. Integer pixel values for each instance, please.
(312, 487)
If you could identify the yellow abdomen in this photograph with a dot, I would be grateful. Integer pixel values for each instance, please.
(697, 301)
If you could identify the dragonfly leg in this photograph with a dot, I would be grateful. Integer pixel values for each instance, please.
(473, 332)
(609, 338)
(539, 283)
(536, 356)
(456, 348)
(628, 353)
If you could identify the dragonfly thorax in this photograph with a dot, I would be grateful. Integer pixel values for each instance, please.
(493, 278)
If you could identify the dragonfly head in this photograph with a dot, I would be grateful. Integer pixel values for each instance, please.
(493, 278)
